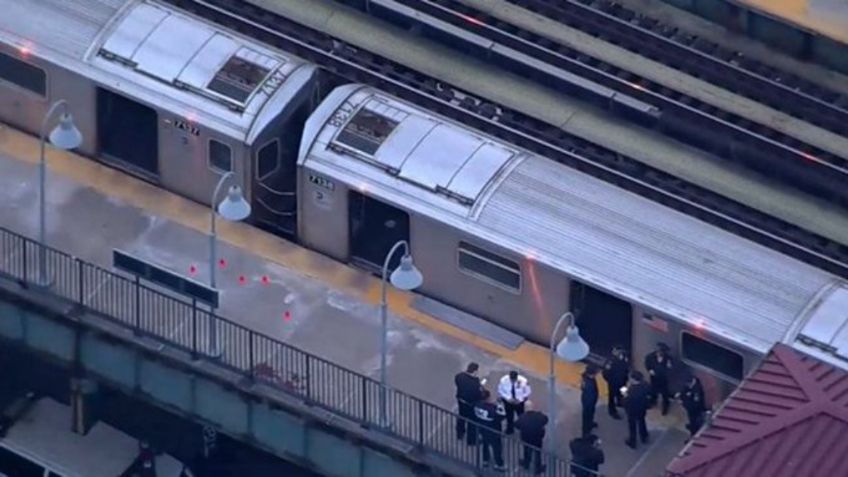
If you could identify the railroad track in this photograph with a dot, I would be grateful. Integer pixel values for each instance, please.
(356, 65)
(681, 116)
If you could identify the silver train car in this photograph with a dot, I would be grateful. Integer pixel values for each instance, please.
(162, 95)
(519, 239)
(498, 232)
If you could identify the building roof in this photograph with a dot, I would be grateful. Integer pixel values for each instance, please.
(789, 418)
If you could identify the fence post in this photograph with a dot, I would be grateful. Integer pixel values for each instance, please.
(137, 329)
(308, 380)
(81, 271)
(420, 423)
(194, 328)
(250, 354)
(26, 273)
(364, 385)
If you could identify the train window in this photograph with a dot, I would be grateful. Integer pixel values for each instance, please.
(238, 77)
(23, 74)
(220, 156)
(713, 356)
(366, 131)
(268, 159)
(12, 464)
(489, 266)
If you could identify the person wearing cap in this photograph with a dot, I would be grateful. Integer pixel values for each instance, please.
(589, 398)
(531, 428)
(658, 363)
(490, 416)
(514, 391)
(616, 369)
(469, 391)
(694, 402)
(637, 398)
(586, 456)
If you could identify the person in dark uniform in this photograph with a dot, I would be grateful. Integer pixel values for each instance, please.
(637, 399)
(531, 428)
(694, 402)
(490, 416)
(589, 398)
(469, 390)
(658, 363)
(615, 373)
(586, 456)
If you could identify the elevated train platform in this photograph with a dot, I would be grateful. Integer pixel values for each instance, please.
(292, 294)
(652, 148)
(816, 30)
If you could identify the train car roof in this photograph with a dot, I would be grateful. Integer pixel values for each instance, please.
(593, 231)
(160, 55)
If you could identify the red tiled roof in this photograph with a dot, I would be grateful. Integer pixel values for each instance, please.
(787, 419)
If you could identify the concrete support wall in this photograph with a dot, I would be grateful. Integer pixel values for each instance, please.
(179, 385)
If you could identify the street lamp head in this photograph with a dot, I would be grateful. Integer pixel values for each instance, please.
(65, 135)
(234, 207)
(572, 347)
(406, 276)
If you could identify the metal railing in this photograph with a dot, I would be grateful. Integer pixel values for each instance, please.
(178, 323)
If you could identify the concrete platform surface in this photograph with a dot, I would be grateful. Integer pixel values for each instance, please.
(93, 209)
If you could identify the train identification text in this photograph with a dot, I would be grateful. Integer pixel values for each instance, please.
(186, 126)
(322, 182)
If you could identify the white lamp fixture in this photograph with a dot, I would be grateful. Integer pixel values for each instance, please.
(234, 207)
(572, 347)
(406, 276)
(65, 135)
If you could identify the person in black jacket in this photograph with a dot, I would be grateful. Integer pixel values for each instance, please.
(615, 374)
(469, 390)
(658, 364)
(531, 428)
(694, 402)
(589, 398)
(586, 456)
(636, 403)
(490, 416)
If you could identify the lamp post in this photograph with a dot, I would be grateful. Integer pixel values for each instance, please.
(405, 277)
(64, 136)
(233, 208)
(571, 348)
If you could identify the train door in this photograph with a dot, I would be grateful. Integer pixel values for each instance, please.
(275, 194)
(127, 133)
(374, 229)
(604, 320)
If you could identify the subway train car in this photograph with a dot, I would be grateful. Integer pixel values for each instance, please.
(519, 239)
(162, 95)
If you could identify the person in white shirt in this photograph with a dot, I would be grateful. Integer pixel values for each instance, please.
(514, 391)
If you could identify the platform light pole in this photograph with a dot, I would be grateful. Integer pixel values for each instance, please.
(405, 277)
(571, 348)
(233, 208)
(64, 136)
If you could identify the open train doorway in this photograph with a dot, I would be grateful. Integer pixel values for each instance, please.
(127, 134)
(374, 229)
(604, 320)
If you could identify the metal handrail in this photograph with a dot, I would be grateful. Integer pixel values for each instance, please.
(163, 317)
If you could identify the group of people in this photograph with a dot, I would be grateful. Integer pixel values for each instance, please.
(483, 414)
(628, 390)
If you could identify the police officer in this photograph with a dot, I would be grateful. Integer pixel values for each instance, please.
(694, 402)
(490, 416)
(658, 363)
(531, 428)
(615, 373)
(586, 456)
(636, 403)
(589, 398)
(469, 390)
(514, 390)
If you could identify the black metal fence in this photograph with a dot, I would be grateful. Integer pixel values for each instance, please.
(181, 324)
